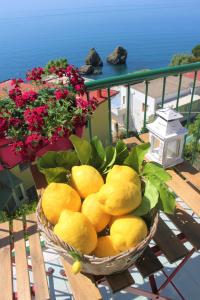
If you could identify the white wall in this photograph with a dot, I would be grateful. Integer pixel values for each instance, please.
(136, 116)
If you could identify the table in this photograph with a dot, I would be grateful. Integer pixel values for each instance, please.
(185, 183)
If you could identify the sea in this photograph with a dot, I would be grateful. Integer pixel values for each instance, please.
(152, 31)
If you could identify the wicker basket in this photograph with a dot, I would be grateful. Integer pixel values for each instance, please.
(91, 264)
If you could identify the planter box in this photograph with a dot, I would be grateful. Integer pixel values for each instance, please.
(9, 159)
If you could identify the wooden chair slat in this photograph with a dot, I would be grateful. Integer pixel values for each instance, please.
(119, 281)
(148, 264)
(23, 285)
(6, 285)
(38, 268)
(83, 287)
(184, 191)
(189, 173)
(167, 241)
(187, 225)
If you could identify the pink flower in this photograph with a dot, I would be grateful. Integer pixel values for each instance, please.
(29, 96)
(82, 103)
(16, 82)
(61, 94)
(35, 74)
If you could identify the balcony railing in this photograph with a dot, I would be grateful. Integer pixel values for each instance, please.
(146, 77)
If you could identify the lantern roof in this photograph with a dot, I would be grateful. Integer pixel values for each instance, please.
(168, 114)
(167, 124)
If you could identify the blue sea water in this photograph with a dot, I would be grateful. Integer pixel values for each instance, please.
(33, 32)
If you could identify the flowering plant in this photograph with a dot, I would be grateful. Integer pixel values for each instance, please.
(32, 118)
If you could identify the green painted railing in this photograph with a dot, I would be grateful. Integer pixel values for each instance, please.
(145, 77)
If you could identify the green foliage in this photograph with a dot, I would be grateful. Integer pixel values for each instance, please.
(192, 148)
(25, 209)
(149, 200)
(57, 63)
(136, 156)
(181, 59)
(153, 168)
(57, 165)
(82, 148)
(196, 51)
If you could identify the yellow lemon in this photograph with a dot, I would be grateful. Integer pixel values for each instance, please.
(123, 173)
(93, 211)
(86, 180)
(127, 232)
(119, 198)
(105, 247)
(56, 198)
(77, 231)
(76, 267)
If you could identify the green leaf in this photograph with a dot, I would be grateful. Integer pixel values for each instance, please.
(74, 255)
(67, 159)
(151, 193)
(122, 152)
(58, 174)
(136, 156)
(167, 200)
(143, 209)
(111, 154)
(48, 160)
(82, 148)
(149, 201)
(152, 168)
(98, 158)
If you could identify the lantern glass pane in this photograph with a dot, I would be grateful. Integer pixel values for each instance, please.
(156, 145)
(173, 148)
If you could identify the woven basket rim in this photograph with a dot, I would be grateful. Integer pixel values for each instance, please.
(63, 247)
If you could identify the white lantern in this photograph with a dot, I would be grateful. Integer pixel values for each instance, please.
(166, 135)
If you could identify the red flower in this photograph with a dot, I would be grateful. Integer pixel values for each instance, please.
(18, 147)
(16, 82)
(33, 140)
(3, 127)
(61, 94)
(82, 103)
(35, 117)
(35, 74)
(15, 122)
(13, 93)
(29, 96)
(60, 132)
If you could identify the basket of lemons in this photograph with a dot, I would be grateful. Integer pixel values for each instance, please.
(100, 207)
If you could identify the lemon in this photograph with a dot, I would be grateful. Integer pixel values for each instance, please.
(93, 211)
(56, 198)
(76, 267)
(105, 247)
(123, 173)
(119, 198)
(77, 231)
(86, 180)
(127, 232)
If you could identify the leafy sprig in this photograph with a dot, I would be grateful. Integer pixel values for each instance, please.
(56, 166)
